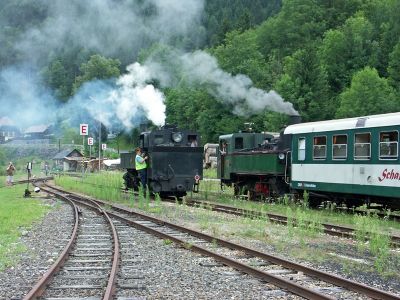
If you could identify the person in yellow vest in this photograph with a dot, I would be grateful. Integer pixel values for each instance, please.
(141, 167)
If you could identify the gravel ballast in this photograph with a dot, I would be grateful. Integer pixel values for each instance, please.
(168, 272)
(44, 242)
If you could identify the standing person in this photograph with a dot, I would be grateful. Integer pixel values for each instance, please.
(141, 167)
(46, 168)
(193, 143)
(10, 173)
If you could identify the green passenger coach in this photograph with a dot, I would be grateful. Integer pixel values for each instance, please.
(355, 158)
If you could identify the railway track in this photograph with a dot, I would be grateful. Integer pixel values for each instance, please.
(295, 278)
(380, 213)
(391, 216)
(33, 180)
(331, 229)
(88, 264)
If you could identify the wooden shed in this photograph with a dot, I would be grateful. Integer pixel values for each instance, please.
(68, 160)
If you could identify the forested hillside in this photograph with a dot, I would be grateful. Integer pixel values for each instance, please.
(330, 59)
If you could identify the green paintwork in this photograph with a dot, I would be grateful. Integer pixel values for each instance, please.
(252, 163)
(370, 190)
(350, 141)
(242, 155)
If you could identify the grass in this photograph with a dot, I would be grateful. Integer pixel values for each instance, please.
(104, 185)
(210, 191)
(16, 215)
(210, 173)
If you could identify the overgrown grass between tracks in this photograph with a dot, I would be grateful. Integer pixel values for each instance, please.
(104, 186)
(304, 223)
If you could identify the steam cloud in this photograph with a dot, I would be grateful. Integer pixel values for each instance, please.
(123, 27)
(200, 68)
(23, 99)
(128, 101)
(111, 28)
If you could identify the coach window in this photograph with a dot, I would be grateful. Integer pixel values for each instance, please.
(238, 143)
(388, 145)
(339, 146)
(362, 146)
(302, 149)
(319, 147)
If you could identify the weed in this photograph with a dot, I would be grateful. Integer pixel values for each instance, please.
(306, 200)
(188, 245)
(214, 243)
(167, 242)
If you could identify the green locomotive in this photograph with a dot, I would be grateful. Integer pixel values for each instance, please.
(255, 164)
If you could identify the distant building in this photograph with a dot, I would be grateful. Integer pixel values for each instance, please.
(8, 130)
(67, 160)
(39, 132)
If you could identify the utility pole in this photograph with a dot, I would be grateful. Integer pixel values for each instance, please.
(99, 145)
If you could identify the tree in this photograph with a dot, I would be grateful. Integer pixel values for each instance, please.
(57, 78)
(384, 16)
(304, 84)
(394, 67)
(98, 67)
(368, 94)
(298, 23)
(347, 50)
(245, 21)
(240, 55)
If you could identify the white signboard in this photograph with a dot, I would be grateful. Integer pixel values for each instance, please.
(90, 141)
(84, 129)
(103, 146)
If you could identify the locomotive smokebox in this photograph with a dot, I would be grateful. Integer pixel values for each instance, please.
(285, 141)
(294, 119)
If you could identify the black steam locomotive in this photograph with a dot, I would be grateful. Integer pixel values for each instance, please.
(175, 163)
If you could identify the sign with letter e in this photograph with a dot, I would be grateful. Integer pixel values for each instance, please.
(90, 141)
(84, 129)
(103, 146)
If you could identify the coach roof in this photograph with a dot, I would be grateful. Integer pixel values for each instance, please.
(343, 124)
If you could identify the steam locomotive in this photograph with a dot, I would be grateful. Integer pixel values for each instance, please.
(354, 160)
(175, 164)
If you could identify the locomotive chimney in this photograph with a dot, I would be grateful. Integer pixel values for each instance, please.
(294, 119)
(144, 127)
(286, 140)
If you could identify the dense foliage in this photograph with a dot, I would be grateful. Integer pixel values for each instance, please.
(329, 58)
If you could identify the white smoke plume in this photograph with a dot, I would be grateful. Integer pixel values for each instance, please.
(23, 99)
(200, 67)
(124, 27)
(127, 101)
(110, 27)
